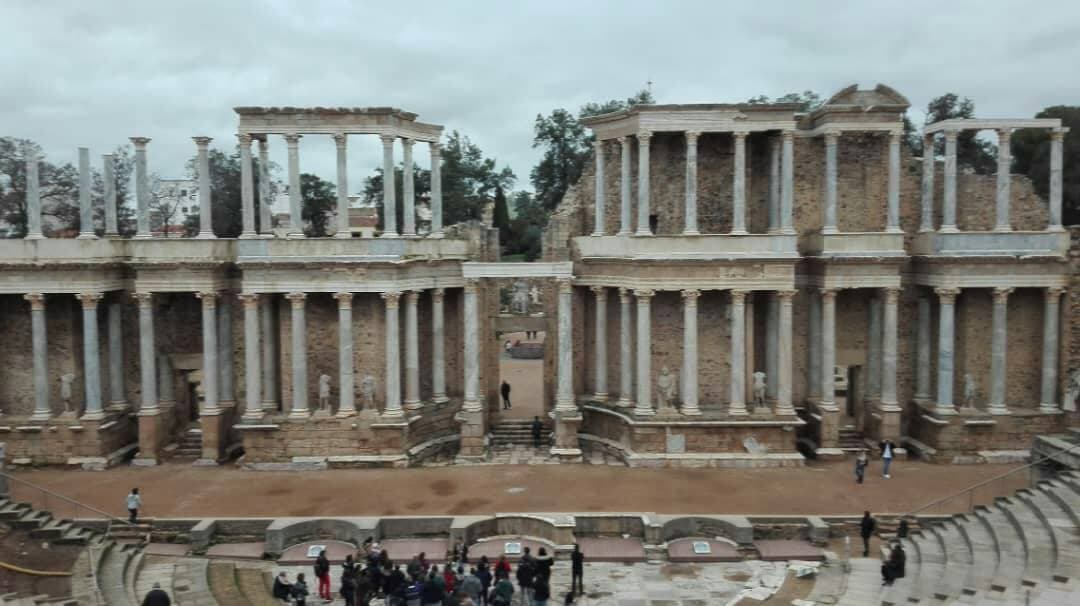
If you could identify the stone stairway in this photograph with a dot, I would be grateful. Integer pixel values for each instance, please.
(850, 439)
(516, 432)
(188, 446)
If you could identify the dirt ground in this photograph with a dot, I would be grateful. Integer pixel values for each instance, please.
(526, 379)
(17, 548)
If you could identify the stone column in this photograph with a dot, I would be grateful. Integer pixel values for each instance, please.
(643, 184)
(166, 387)
(296, 199)
(831, 140)
(226, 391)
(643, 406)
(998, 360)
(774, 184)
(565, 401)
(412, 352)
(210, 353)
(247, 188)
(948, 219)
(42, 408)
(737, 316)
(298, 329)
(1004, 180)
(601, 343)
(600, 190)
(206, 216)
(889, 347)
(472, 346)
(117, 398)
(625, 201)
(266, 221)
(252, 358)
(813, 347)
(626, 346)
(436, 190)
(772, 344)
(738, 204)
(340, 141)
(112, 230)
(784, 352)
(873, 350)
(922, 365)
(390, 229)
(946, 316)
(408, 197)
(86, 204)
(393, 355)
(270, 359)
(438, 347)
(346, 395)
(690, 352)
(892, 221)
(691, 228)
(91, 357)
(1048, 401)
(147, 354)
(33, 196)
(787, 191)
(828, 349)
(1057, 136)
(926, 223)
(142, 189)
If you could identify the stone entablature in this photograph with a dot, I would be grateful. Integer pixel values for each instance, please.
(333, 120)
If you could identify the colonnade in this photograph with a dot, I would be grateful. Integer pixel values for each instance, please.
(830, 223)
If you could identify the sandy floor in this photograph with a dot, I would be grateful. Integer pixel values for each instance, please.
(526, 378)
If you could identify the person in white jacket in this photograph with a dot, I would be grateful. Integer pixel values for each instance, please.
(134, 501)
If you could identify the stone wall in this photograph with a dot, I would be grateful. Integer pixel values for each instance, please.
(283, 439)
(60, 441)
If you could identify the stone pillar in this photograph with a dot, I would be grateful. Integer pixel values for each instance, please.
(691, 225)
(298, 329)
(142, 189)
(626, 346)
(565, 401)
(472, 346)
(226, 391)
(1057, 136)
(774, 184)
(42, 408)
(206, 216)
(948, 219)
(393, 355)
(346, 393)
(1048, 401)
(600, 364)
(91, 357)
(690, 353)
(147, 354)
(117, 398)
(412, 352)
(772, 344)
(252, 359)
(738, 204)
(873, 350)
(340, 141)
(922, 365)
(210, 370)
(737, 316)
(643, 406)
(112, 230)
(999, 367)
(926, 222)
(266, 221)
(296, 199)
(625, 202)
(600, 190)
(889, 347)
(784, 354)
(436, 190)
(892, 221)
(438, 347)
(271, 385)
(813, 348)
(166, 386)
(643, 229)
(408, 197)
(946, 316)
(1004, 180)
(247, 189)
(831, 140)
(86, 204)
(33, 195)
(390, 229)
(787, 191)
(828, 349)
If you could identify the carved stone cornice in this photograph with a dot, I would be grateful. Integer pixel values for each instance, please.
(392, 298)
(296, 299)
(36, 299)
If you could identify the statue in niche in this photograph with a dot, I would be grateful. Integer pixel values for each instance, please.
(1072, 391)
(367, 393)
(519, 299)
(969, 391)
(324, 393)
(534, 295)
(759, 389)
(66, 392)
(666, 388)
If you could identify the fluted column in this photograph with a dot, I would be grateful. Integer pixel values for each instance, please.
(737, 317)
(643, 406)
(252, 358)
(39, 339)
(892, 220)
(772, 344)
(412, 352)
(999, 367)
(643, 184)
(600, 188)
(1057, 136)
(813, 347)
(340, 141)
(738, 205)
(298, 329)
(1048, 401)
(889, 347)
(626, 212)
(472, 346)
(436, 190)
(393, 355)
(86, 204)
(784, 354)
(787, 193)
(690, 352)
(922, 364)
(346, 395)
(296, 197)
(270, 359)
(33, 195)
(774, 184)
(112, 230)
(831, 140)
(565, 395)
(390, 229)
(210, 369)
(206, 218)
(946, 317)
(266, 221)
(438, 346)
(926, 222)
(626, 346)
(600, 363)
(873, 349)
(247, 189)
(408, 197)
(226, 390)
(1004, 180)
(948, 219)
(117, 398)
(828, 349)
(147, 354)
(142, 189)
(91, 355)
(691, 226)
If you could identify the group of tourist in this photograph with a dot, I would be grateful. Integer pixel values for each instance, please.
(862, 461)
(893, 566)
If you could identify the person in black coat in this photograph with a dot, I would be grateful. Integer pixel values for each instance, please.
(504, 390)
(282, 587)
(866, 530)
(157, 597)
(537, 430)
(577, 571)
(894, 568)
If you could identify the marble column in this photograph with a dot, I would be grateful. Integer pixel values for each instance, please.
(226, 391)
(33, 195)
(565, 401)
(690, 212)
(206, 216)
(117, 398)
(1057, 136)
(738, 203)
(892, 220)
(393, 355)
(247, 189)
(438, 346)
(873, 349)
(266, 221)
(626, 211)
(298, 357)
(784, 353)
(296, 197)
(999, 343)
(600, 189)
(270, 360)
(340, 141)
(948, 219)
(112, 229)
(689, 390)
(39, 338)
(408, 196)
(922, 363)
(390, 229)
(1048, 402)
(774, 184)
(626, 347)
(890, 317)
(643, 406)
(166, 382)
(472, 346)
(252, 358)
(643, 228)
(147, 354)
(86, 203)
(946, 317)
(813, 348)
(772, 343)
(91, 355)
(436, 190)
(787, 191)
(600, 364)
(926, 222)
(737, 316)
(828, 349)
(142, 189)
(829, 226)
(346, 392)
(1004, 180)
(412, 352)
(210, 369)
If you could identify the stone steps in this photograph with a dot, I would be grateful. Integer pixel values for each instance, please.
(112, 573)
(514, 432)
(255, 584)
(221, 577)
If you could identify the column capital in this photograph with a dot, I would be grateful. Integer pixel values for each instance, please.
(828, 294)
(387, 140)
(89, 299)
(250, 300)
(296, 299)
(139, 142)
(36, 299)
(435, 148)
(412, 296)
(208, 298)
(740, 135)
(340, 139)
(344, 299)
(624, 295)
(738, 297)
(264, 145)
(598, 145)
(599, 291)
(692, 137)
(1058, 134)
(407, 142)
(831, 137)
(392, 299)
(292, 140)
(244, 139)
(143, 299)
(690, 296)
(565, 285)
(202, 142)
(952, 134)
(438, 295)
(892, 295)
(624, 141)
(1004, 134)
(1053, 294)
(787, 135)
(895, 136)
(643, 137)
(1001, 295)
(786, 296)
(472, 285)
(947, 295)
(644, 294)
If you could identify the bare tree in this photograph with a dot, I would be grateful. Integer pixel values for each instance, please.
(164, 205)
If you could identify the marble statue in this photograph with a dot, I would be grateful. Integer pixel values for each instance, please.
(65, 391)
(759, 389)
(666, 388)
(324, 392)
(367, 393)
(534, 295)
(519, 300)
(969, 391)
(1072, 391)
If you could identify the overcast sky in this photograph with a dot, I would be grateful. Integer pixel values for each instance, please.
(94, 73)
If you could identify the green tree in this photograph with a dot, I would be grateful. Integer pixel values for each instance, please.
(972, 152)
(319, 197)
(526, 227)
(1031, 157)
(224, 192)
(502, 216)
(808, 100)
(373, 191)
(59, 189)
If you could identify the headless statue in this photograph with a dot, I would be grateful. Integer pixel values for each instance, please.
(759, 389)
(324, 392)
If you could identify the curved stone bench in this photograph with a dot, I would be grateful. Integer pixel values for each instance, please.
(736, 528)
(285, 532)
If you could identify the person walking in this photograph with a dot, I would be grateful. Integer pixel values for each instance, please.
(866, 530)
(887, 449)
(577, 571)
(300, 590)
(504, 389)
(861, 461)
(322, 573)
(157, 597)
(133, 502)
(537, 429)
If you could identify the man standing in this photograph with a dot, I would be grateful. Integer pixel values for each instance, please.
(537, 428)
(577, 571)
(860, 465)
(504, 389)
(887, 448)
(134, 501)
(866, 530)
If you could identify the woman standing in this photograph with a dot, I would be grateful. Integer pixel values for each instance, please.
(322, 572)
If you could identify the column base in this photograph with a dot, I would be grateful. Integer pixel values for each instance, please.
(624, 232)
(346, 413)
(830, 230)
(252, 416)
(143, 237)
(117, 406)
(344, 235)
(414, 405)
(438, 235)
(223, 404)
(643, 233)
(738, 232)
(265, 236)
(93, 416)
(40, 416)
(1002, 228)
(472, 405)
(624, 403)
(597, 234)
(1055, 228)
(389, 234)
(737, 409)
(295, 236)
(643, 411)
(690, 410)
(893, 230)
(37, 236)
(691, 232)
(250, 235)
(409, 235)
(393, 414)
(269, 406)
(302, 414)
(206, 235)
(1049, 408)
(440, 398)
(600, 396)
(785, 410)
(948, 229)
(1000, 409)
(110, 234)
(87, 236)
(945, 409)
